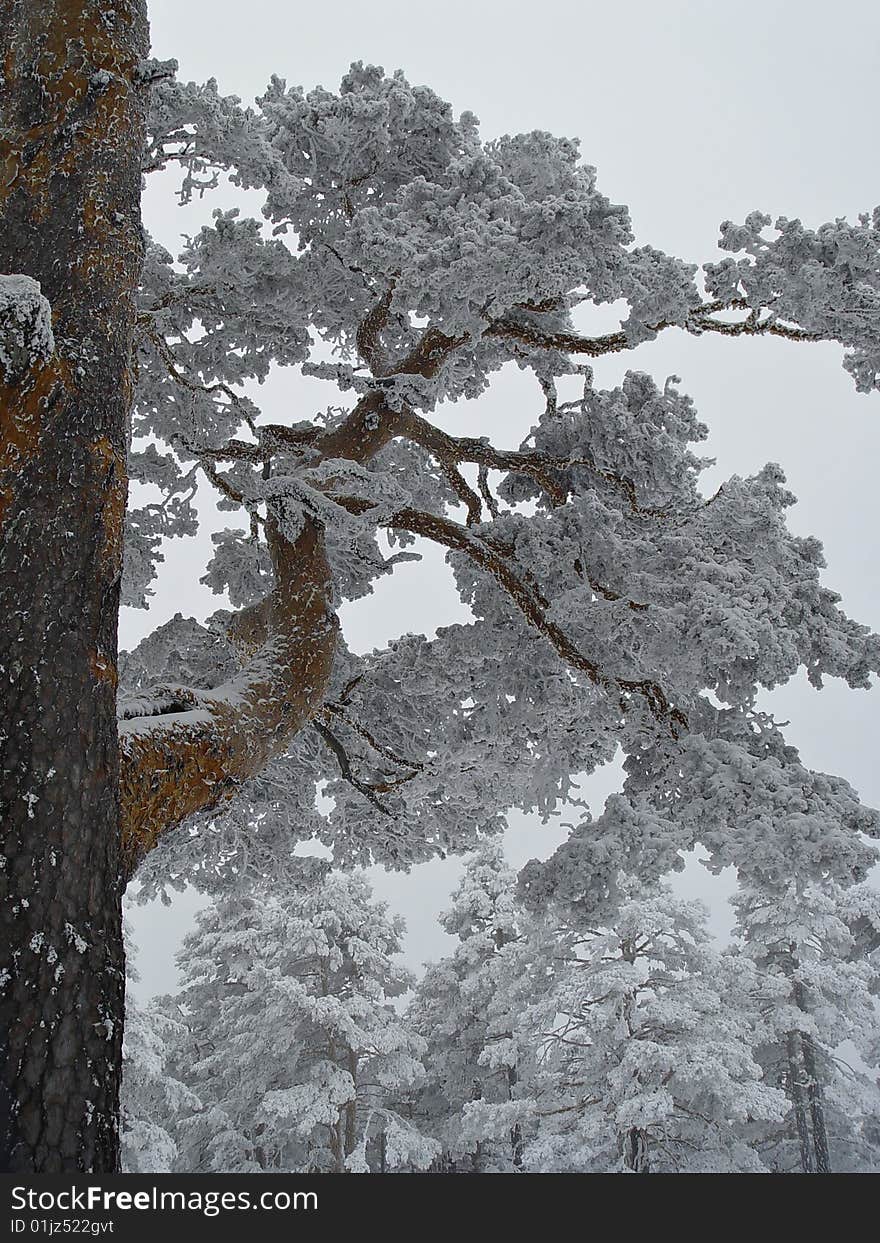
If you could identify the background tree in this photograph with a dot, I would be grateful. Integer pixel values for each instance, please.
(643, 1040)
(816, 942)
(152, 1099)
(407, 263)
(465, 1007)
(284, 1037)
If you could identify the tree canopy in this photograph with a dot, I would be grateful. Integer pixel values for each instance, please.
(406, 261)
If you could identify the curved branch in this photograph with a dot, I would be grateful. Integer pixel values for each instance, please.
(345, 768)
(177, 763)
(529, 603)
(454, 449)
(338, 709)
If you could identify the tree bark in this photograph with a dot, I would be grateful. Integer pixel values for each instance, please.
(816, 1100)
(636, 1152)
(72, 129)
(815, 1095)
(178, 763)
(796, 1092)
(351, 1107)
(516, 1134)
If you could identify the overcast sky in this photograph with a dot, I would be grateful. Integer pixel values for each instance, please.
(693, 113)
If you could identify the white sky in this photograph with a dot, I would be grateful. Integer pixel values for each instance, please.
(693, 113)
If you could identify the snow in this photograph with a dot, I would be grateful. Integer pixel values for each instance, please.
(395, 202)
(25, 326)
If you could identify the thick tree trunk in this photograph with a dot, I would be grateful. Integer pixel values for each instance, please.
(72, 112)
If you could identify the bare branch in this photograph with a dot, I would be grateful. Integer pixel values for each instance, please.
(338, 710)
(345, 766)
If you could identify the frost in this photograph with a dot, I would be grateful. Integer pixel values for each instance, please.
(293, 986)
(606, 605)
(25, 326)
(74, 938)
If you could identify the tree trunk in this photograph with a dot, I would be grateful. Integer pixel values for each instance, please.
(815, 1096)
(351, 1107)
(817, 1107)
(796, 1092)
(636, 1152)
(516, 1135)
(72, 129)
(477, 1155)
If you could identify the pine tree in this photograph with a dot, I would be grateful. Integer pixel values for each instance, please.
(152, 1099)
(645, 1046)
(287, 1037)
(406, 261)
(814, 940)
(466, 1008)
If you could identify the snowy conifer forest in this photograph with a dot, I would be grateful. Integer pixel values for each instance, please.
(369, 374)
(548, 1041)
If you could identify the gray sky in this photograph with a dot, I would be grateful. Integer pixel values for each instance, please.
(693, 113)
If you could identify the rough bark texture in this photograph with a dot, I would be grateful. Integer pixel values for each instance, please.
(193, 756)
(181, 762)
(72, 125)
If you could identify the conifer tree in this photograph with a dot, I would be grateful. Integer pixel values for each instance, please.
(644, 1047)
(287, 1038)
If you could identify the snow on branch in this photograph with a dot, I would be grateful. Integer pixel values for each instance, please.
(527, 599)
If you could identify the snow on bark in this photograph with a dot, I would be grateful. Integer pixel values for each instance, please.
(26, 336)
(70, 229)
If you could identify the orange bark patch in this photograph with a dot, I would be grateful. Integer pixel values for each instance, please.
(22, 420)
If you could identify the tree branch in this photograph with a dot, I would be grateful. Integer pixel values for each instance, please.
(177, 763)
(345, 766)
(615, 342)
(529, 603)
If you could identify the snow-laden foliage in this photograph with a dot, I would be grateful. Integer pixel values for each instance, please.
(152, 1099)
(645, 1042)
(825, 280)
(592, 1046)
(465, 1007)
(292, 1056)
(405, 260)
(817, 943)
